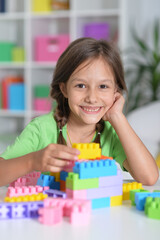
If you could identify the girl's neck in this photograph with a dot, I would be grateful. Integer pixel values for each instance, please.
(79, 133)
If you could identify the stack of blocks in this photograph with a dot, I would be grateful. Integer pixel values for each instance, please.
(97, 180)
(90, 178)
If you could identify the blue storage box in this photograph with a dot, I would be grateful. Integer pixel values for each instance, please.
(16, 96)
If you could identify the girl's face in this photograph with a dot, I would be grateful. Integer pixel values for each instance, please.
(90, 91)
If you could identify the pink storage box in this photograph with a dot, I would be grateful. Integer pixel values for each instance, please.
(49, 48)
(42, 104)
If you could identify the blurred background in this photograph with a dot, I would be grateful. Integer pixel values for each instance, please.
(33, 34)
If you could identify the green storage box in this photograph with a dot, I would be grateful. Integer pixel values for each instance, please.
(6, 51)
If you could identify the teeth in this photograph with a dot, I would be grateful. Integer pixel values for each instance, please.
(91, 110)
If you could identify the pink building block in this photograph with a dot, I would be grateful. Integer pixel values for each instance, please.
(25, 190)
(49, 48)
(29, 179)
(76, 194)
(50, 215)
(79, 215)
(77, 210)
(42, 104)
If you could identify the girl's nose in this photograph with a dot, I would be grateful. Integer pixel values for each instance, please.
(91, 96)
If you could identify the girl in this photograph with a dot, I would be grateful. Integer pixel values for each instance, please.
(88, 84)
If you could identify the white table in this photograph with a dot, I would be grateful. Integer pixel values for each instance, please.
(116, 223)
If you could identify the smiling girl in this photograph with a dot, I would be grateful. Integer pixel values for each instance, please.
(88, 85)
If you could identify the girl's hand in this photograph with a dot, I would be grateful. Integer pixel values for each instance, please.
(116, 108)
(54, 158)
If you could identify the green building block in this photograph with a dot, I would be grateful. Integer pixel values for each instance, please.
(18, 54)
(132, 194)
(41, 91)
(152, 207)
(6, 51)
(73, 182)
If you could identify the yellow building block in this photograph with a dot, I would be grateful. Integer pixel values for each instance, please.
(158, 160)
(56, 175)
(88, 150)
(27, 198)
(41, 5)
(130, 186)
(116, 201)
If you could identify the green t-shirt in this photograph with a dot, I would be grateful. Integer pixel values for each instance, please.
(43, 130)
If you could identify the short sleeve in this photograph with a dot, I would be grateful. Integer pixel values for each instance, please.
(25, 143)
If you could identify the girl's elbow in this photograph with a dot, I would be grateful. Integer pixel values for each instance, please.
(151, 180)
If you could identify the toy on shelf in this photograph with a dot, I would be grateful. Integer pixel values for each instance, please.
(41, 98)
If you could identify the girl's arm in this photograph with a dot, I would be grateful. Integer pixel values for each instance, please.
(14, 168)
(53, 158)
(139, 162)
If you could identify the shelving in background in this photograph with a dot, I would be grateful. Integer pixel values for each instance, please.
(20, 25)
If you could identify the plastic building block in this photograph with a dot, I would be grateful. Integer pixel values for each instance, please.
(111, 180)
(20, 210)
(94, 169)
(140, 198)
(29, 179)
(73, 182)
(54, 193)
(132, 194)
(56, 175)
(88, 150)
(104, 157)
(62, 185)
(152, 207)
(100, 203)
(25, 190)
(76, 194)
(46, 180)
(129, 186)
(116, 201)
(63, 175)
(79, 215)
(50, 215)
(27, 198)
(104, 192)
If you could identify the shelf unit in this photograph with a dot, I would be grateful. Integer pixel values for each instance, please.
(23, 25)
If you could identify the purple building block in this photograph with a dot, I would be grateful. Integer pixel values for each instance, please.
(104, 192)
(55, 193)
(111, 180)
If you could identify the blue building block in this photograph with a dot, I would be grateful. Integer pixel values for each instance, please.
(96, 168)
(140, 198)
(47, 180)
(63, 175)
(16, 96)
(101, 203)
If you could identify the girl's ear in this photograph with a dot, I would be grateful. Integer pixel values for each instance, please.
(63, 89)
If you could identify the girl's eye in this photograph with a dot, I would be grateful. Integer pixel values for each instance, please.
(103, 86)
(80, 85)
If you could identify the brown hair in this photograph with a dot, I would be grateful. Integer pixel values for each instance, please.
(77, 52)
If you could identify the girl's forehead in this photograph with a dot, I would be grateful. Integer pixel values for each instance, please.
(93, 63)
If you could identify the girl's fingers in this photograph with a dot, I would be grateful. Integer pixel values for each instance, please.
(62, 154)
(58, 162)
